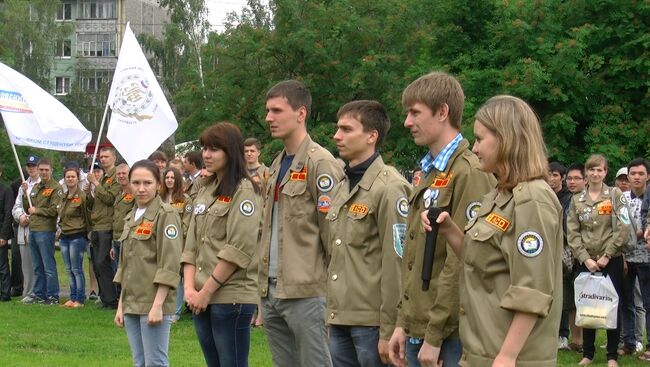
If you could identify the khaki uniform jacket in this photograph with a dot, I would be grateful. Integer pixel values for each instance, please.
(433, 315)
(589, 224)
(304, 198)
(150, 255)
(73, 214)
(513, 263)
(101, 206)
(191, 191)
(261, 176)
(365, 237)
(46, 198)
(225, 228)
(184, 209)
(124, 202)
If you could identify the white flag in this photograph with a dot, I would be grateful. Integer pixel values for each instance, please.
(141, 118)
(35, 118)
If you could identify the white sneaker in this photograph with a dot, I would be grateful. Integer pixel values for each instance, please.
(639, 347)
(563, 343)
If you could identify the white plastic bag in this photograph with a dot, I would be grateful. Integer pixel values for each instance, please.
(596, 301)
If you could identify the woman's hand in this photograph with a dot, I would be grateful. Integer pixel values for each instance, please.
(592, 265)
(442, 221)
(201, 300)
(602, 262)
(119, 316)
(155, 315)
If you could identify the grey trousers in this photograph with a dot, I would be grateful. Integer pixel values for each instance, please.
(28, 270)
(295, 330)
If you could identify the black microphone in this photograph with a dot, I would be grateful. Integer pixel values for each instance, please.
(430, 247)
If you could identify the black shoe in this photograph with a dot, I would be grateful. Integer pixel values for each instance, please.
(108, 306)
(5, 299)
(16, 292)
(51, 301)
(93, 296)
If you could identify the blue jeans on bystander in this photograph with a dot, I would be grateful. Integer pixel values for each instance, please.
(73, 248)
(41, 247)
(149, 343)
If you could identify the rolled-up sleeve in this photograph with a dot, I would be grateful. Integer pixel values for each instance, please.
(536, 250)
(169, 242)
(242, 232)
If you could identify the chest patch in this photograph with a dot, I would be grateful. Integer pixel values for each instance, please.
(127, 198)
(498, 221)
(359, 209)
(299, 176)
(144, 228)
(223, 199)
(605, 208)
(109, 181)
(75, 200)
(47, 192)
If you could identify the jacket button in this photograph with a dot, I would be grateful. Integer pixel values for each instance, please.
(411, 235)
(337, 242)
(406, 297)
(335, 277)
(410, 266)
(332, 315)
(265, 259)
(200, 268)
(333, 215)
(345, 207)
(461, 311)
(475, 234)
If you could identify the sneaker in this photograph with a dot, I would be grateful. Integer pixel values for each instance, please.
(639, 347)
(51, 301)
(563, 343)
(93, 295)
(30, 300)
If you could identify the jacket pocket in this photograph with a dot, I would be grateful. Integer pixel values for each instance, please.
(217, 222)
(298, 199)
(480, 248)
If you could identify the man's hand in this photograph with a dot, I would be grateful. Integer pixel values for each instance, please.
(23, 220)
(382, 347)
(92, 179)
(2, 242)
(428, 356)
(397, 348)
(31, 210)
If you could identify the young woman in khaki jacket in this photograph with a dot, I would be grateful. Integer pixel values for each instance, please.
(149, 265)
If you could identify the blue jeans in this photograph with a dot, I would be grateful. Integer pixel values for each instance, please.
(224, 334)
(149, 343)
(73, 251)
(354, 346)
(180, 297)
(116, 246)
(41, 247)
(450, 352)
(642, 272)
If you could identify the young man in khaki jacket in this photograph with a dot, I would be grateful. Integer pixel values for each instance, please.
(427, 321)
(292, 268)
(100, 202)
(366, 226)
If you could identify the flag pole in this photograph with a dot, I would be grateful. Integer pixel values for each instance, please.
(20, 168)
(99, 138)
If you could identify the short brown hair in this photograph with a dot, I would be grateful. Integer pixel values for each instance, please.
(295, 92)
(596, 160)
(253, 141)
(44, 161)
(158, 155)
(521, 153)
(372, 116)
(434, 90)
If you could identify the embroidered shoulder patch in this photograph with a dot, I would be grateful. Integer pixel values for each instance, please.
(399, 231)
(47, 192)
(403, 206)
(472, 209)
(171, 231)
(127, 198)
(324, 182)
(324, 203)
(530, 244)
(109, 180)
(498, 221)
(247, 208)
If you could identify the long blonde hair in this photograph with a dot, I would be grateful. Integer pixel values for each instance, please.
(521, 153)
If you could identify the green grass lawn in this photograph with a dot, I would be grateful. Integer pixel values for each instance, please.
(39, 335)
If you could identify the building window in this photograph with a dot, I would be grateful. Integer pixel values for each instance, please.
(94, 80)
(62, 85)
(96, 45)
(64, 11)
(98, 9)
(64, 49)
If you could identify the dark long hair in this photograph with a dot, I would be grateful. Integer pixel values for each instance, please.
(177, 190)
(227, 137)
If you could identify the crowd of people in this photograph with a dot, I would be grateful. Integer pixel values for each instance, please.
(327, 254)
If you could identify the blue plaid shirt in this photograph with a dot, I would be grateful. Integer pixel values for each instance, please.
(440, 161)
